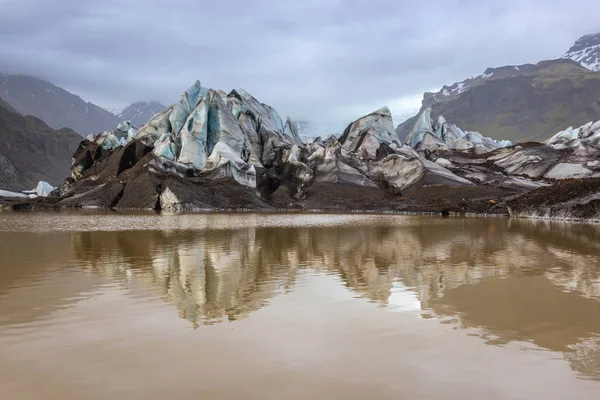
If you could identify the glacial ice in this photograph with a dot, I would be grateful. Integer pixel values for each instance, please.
(157, 126)
(431, 142)
(194, 136)
(120, 136)
(7, 193)
(267, 117)
(229, 162)
(423, 125)
(291, 130)
(232, 135)
(185, 105)
(584, 140)
(378, 125)
(131, 133)
(223, 126)
(569, 170)
(42, 189)
(532, 162)
(188, 132)
(406, 168)
(462, 144)
(165, 147)
(442, 162)
(423, 134)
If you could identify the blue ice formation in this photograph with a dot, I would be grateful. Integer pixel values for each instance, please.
(205, 128)
(428, 135)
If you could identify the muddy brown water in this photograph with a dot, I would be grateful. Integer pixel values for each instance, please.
(245, 306)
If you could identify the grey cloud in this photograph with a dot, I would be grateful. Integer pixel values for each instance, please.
(328, 61)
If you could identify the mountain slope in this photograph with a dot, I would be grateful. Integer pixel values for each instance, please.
(519, 103)
(586, 51)
(57, 107)
(140, 112)
(31, 151)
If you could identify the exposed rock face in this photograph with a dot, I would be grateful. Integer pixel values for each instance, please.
(586, 51)
(518, 103)
(31, 151)
(54, 105)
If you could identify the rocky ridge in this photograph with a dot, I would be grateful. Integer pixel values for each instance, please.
(31, 151)
(586, 51)
(518, 103)
(59, 108)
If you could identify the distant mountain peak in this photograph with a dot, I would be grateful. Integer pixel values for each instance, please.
(449, 92)
(586, 51)
(31, 151)
(518, 103)
(55, 106)
(140, 112)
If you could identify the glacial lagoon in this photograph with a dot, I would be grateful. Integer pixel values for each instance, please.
(101, 305)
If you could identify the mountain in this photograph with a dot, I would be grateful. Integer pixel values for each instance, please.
(586, 51)
(54, 105)
(5, 105)
(528, 102)
(140, 112)
(31, 151)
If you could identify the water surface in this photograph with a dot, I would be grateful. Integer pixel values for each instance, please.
(244, 306)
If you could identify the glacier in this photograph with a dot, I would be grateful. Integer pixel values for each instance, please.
(431, 135)
(583, 141)
(218, 150)
(208, 130)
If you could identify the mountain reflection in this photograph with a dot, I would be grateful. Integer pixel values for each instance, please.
(508, 281)
(512, 281)
(228, 273)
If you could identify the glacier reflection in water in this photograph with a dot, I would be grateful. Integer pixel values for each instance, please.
(536, 284)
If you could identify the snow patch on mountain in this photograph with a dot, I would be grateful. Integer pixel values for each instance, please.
(586, 51)
(140, 112)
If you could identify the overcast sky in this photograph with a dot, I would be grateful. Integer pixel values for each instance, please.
(329, 61)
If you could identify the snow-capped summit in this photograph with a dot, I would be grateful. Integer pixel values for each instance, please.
(586, 51)
(140, 112)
